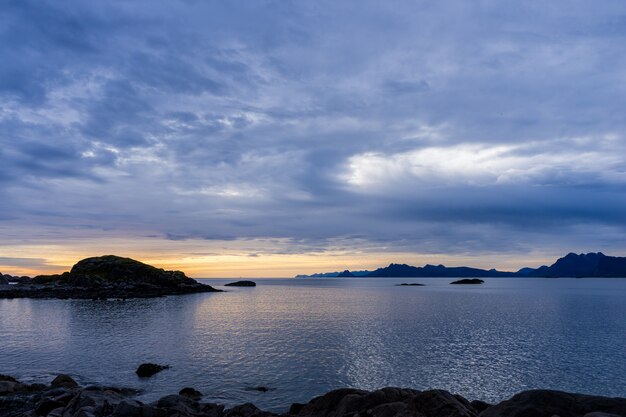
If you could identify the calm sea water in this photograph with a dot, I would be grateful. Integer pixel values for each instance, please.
(302, 338)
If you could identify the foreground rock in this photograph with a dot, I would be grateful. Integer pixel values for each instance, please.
(241, 284)
(146, 370)
(106, 277)
(471, 281)
(3, 280)
(545, 403)
(39, 400)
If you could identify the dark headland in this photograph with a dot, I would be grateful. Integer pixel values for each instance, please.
(589, 265)
(105, 277)
(65, 398)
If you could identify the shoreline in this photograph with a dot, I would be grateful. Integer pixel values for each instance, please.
(63, 397)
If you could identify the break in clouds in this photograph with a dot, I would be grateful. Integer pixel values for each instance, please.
(435, 127)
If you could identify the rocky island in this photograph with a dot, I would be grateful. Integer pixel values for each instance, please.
(65, 398)
(241, 284)
(106, 277)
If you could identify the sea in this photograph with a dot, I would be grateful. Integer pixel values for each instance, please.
(303, 337)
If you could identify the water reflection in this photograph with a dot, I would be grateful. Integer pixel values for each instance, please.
(303, 338)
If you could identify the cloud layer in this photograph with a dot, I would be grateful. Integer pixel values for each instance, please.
(485, 128)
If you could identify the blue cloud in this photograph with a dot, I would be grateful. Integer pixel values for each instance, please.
(427, 127)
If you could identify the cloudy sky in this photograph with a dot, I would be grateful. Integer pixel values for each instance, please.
(269, 138)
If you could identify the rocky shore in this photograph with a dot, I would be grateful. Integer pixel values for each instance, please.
(63, 397)
(105, 277)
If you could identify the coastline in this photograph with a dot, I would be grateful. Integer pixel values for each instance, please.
(63, 397)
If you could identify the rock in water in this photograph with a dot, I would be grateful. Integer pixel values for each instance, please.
(63, 381)
(190, 393)
(241, 284)
(468, 281)
(3, 280)
(146, 370)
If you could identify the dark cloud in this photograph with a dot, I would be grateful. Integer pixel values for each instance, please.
(432, 127)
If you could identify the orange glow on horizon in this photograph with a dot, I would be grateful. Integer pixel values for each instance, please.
(217, 259)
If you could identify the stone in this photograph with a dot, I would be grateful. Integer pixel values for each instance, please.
(295, 408)
(546, 403)
(246, 410)
(8, 387)
(190, 393)
(63, 381)
(128, 408)
(45, 406)
(8, 378)
(479, 406)
(212, 410)
(179, 403)
(57, 412)
(146, 370)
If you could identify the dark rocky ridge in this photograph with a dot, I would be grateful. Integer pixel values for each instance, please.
(70, 400)
(582, 265)
(572, 265)
(104, 277)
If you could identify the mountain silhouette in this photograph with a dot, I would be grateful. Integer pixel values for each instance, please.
(590, 265)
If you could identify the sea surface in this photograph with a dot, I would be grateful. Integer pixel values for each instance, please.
(303, 337)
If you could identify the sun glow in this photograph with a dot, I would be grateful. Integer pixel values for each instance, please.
(224, 259)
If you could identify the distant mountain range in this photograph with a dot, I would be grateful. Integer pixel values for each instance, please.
(572, 265)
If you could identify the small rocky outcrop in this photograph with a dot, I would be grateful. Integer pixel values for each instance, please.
(410, 284)
(345, 274)
(470, 281)
(241, 284)
(107, 277)
(146, 370)
(3, 280)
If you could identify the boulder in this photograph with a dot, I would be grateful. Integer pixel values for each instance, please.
(63, 381)
(385, 402)
(3, 280)
(128, 408)
(190, 393)
(546, 403)
(179, 404)
(241, 284)
(247, 410)
(479, 406)
(45, 406)
(7, 378)
(8, 387)
(146, 370)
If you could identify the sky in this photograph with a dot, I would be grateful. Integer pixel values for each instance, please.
(272, 138)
